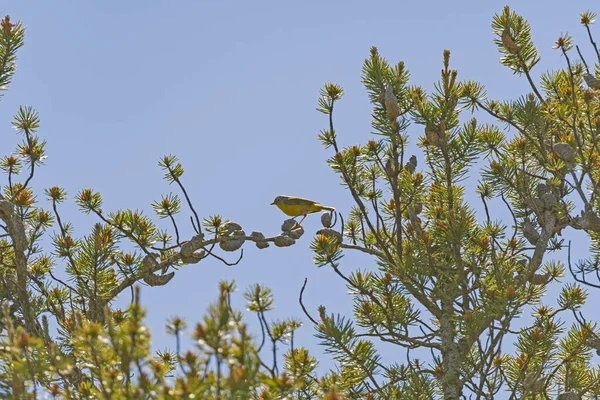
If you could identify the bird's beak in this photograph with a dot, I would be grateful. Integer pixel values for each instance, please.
(272, 204)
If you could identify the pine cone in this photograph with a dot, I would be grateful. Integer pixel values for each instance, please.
(565, 152)
(588, 221)
(192, 245)
(540, 279)
(159, 280)
(569, 396)
(149, 262)
(592, 81)
(326, 220)
(391, 103)
(411, 165)
(258, 236)
(263, 244)
(288, 225)
(549, 200)
(531, 384)
(594, 343)
(191, 258)
(434, 136)
(231, 227)
(509, 43)
(283, 241)
(530, 233)
(296, 233)
(542, 189)
(539, 205)
(232, 244)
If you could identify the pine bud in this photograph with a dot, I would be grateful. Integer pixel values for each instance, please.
(509, 43)
(592, 81)
(333, 394)
(328, 232)
(322, 314)
(283, 241)
(391, 103)
(6, 25)
(159, 280)
(411, 165)
(530, 233)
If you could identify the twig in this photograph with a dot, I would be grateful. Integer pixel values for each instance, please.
(32, 170)
(587, 27)
(582, 59)
(302, 304)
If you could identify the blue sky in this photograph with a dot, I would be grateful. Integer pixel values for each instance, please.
(231, 89)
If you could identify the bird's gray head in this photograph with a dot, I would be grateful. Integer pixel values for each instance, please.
(278, 200)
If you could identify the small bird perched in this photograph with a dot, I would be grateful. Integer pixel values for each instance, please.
(297, 206)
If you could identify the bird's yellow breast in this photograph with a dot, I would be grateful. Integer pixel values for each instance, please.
(298, 210)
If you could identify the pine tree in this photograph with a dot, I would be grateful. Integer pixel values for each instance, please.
(450, 280)
(59, 330)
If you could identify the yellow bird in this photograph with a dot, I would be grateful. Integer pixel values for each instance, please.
(297, 206)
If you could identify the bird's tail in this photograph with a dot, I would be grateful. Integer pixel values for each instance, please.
(327, 208)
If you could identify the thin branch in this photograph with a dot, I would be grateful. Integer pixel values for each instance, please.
(587, 27)
(176, 229)
(582, 59)
(574, 274)
(302, 304)
(32, 167)
(189, 202)
(374, 252)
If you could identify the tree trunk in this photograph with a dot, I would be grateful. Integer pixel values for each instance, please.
(451, 385)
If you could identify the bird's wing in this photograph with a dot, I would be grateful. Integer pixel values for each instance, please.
(298, 201)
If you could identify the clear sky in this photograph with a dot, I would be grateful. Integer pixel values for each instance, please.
(231, 89)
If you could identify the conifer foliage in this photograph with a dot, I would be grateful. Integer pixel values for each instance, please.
(448, 280)
(60, 334)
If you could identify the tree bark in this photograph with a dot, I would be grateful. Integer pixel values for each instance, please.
(16, 230)
(451, 385)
